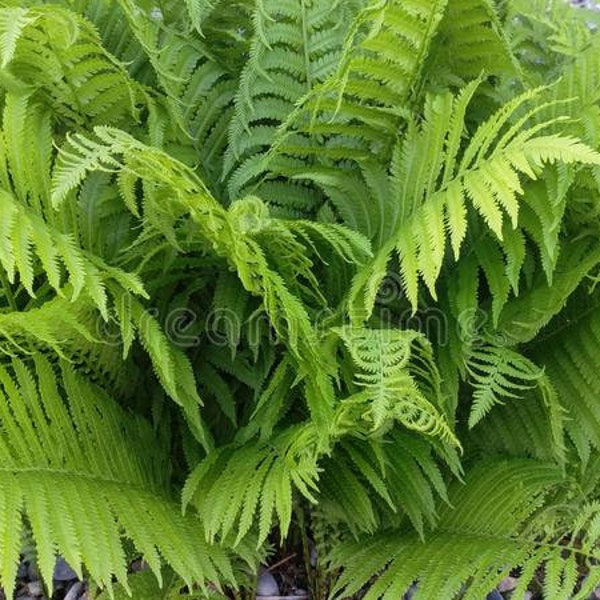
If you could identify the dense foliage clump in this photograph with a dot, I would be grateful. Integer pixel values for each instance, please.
(269, 264)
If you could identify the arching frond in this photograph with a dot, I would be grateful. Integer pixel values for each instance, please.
(286, 461)
(84, 472)
(432, 197)
(478, 542)
(240, 235)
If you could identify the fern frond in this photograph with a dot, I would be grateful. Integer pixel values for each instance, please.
(286, 461)
(487, 175)
(57, 324)
(28, 245)
(237, 235)
(522, 318)
(88, 473)
(373, 484)
(533, 426)
(479, 44)
(57, 52)
(390, 364)
(495, 526)
(12, 22)
(296, 46)
(497, 372)
(569, 355)
(356, 113)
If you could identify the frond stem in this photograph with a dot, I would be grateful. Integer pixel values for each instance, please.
(7, 290)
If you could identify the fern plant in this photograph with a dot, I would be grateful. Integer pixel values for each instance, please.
(266, 263)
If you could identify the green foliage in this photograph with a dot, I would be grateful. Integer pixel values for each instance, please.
(491, 530)
(84, 472)
(262, 259)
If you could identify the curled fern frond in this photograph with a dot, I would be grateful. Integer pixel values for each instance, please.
(390, 364)
(239, 235)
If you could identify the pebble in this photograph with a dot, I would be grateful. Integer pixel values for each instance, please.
(508, 584)
(63, 571)
(75, 592)
(494, 595)
(267, 585)
(591, 4)
(34, 588)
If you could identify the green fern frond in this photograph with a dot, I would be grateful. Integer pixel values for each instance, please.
(287, 461)
(371, 484)
(296, 46)
(356, 113)
(492, 528)
(479, 44)
(28, 245)
(390, 364)
(57, 52)
(533, 426)
(497, 372)
(487, 174)
(84, 472)
(233, 234)
(522, 318)
(569, 355)
(12, 22)
(57, 324)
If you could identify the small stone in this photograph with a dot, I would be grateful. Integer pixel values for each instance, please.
(299, 592)
(528, 596)
(75, 592)
(22, 570)
(508, 584)
(62, 571)
(139, 565)
(494, 595)
(35, 589)
(267, 585)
